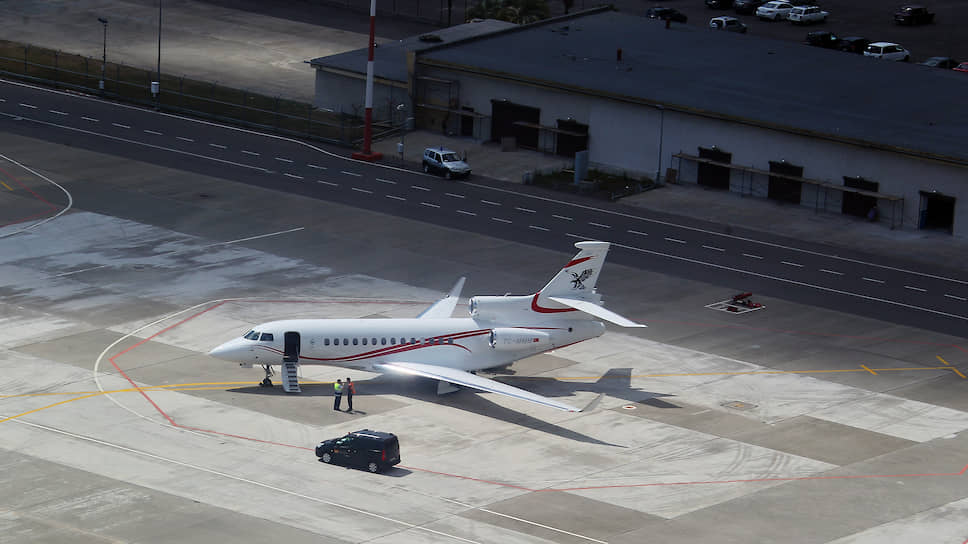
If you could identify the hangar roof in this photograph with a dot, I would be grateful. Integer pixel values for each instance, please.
(764, 82)
(390, 58)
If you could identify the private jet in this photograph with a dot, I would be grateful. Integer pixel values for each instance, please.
(499, 331)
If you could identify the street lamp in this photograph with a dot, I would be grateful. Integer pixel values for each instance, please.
(658, 171)
(104, 50)
(402, 108)
(156, 85)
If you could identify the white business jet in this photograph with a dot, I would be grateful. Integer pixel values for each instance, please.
(499, 331)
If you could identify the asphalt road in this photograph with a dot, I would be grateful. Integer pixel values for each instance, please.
(901, 292)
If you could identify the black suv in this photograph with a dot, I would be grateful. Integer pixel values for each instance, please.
(853, 44)
(913, 15)
(374, 450)
(822, 38)
(670, 14)
(747, 6)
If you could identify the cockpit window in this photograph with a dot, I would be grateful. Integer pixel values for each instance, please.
(251, 335)
(266, 337)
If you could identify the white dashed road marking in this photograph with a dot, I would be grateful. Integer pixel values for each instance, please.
(488, 202)
(636, 232)
(316, 167)
(788, 263)
(119, 125)
(31, 106)
(466, 212)
(91, 119)
(454, 195)
(156, 133)
(218, 146)
(956, 297)
(500, 220)
(676, 240)
(525, 210)
(283, 159)
(562, 217)
(253, 153)
(751, 256)
(875, 280)
(330, 183)
(58, 112)
(366, 191)
(834, 272)
(536, 227)
(388, 181)
(714, 248)
(419, 188)
(913, 288)
(354, 174)
(429, 204)
(294, 176)
(395, 197)
(599, 225)
(184, 139)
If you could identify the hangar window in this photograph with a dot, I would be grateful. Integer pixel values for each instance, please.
(266, 337)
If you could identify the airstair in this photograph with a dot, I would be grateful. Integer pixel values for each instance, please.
(290, 377)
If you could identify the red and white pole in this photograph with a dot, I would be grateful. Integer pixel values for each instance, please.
(367, 154)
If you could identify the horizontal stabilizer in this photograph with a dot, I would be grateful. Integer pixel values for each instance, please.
(467, 379)
(596, 310)
(444, 307)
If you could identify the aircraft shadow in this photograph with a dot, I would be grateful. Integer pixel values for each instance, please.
(615, 383)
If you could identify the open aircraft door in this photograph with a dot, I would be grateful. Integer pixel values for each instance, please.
(291, 353)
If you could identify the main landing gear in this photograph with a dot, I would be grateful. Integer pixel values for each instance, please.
(267, 382)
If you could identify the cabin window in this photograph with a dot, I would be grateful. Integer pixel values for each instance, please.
(450, 340)
(374, 341)
(356, 341)
(346, 341)
(383, 341)
(413, 340)
(266, 337)
(393, 341)
(325, 341)
(364, 341)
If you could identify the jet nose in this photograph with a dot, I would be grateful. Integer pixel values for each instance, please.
(227, 351)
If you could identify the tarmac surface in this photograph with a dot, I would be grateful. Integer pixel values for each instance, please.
(790, 423)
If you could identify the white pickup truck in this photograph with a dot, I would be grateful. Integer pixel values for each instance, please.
(805, 15)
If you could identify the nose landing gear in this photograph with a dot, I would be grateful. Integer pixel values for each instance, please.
(267, 382)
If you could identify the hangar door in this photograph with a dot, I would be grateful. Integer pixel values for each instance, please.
(937, 211)
(785, 189)
(855, 204)
(505, 114)
(713, 175)
(573, 137)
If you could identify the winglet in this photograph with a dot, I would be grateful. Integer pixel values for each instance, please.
(594, 403)
(444, 307)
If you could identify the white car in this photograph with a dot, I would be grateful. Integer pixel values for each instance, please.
(730, 24)
(887, 50)
(774, 11)
(805, 15)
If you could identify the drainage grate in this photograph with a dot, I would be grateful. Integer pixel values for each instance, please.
(738, 405)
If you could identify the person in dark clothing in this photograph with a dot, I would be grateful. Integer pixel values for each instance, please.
(338, 394)
(350, 391)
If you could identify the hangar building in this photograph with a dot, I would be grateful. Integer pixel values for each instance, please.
(834, 131)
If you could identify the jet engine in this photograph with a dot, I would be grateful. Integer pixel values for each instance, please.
(508, 339)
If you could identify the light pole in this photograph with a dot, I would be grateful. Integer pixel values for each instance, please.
(658, 171)
(104, 51)
(156, 84)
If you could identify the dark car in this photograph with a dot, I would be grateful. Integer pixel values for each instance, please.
(719, 4)
(913, 15)
(963, 67)
(373, 450)
(822, 38)
(940, 62)
(669, 14)
(747, 6)
(853, 44)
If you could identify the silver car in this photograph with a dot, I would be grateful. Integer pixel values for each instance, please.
(446, 162)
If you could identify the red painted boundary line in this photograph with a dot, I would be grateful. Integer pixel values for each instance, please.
(512, 486)
(31, 191)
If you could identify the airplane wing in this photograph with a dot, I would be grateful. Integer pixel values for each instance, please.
(596, 310)
(444, 307)
(467, 379)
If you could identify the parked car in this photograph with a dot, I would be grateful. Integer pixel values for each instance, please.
(445, 162)
(730, 24)
(747, 6)
(963, 67)
(887, 51)
(853, 44)
(807, 15)
(823, 38)
(913, 15)
(670, 14)
(774, 10)
(373, 450)
(719, 4)
(940, 62)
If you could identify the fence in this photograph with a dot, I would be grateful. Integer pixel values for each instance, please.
(178, 94)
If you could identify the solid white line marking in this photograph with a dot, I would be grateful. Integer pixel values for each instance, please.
(58, 112)
(465, 212)
(636, 232)
(455, 195)
(600, 225)
(317, 167)
(956, 297)
(752, 256)
(676, 240)
(430, 204)
(184, 139)
(367, 191)
(288, 175)
(525, 210)
(564, 217)
(283, 159)
(354, 174)
(395, 197)
(788, 263)
(536, 524)
(832, 272)
(330, 183)
(714, 248)
(219, 146)
(913, 288)
(155, 132)
(491, 203)
(250, 238)
(253, 153)
(119, 125)
(419, 188)
(388, 181)
(499, 219)
(91, 119)
(31, 106)
(536, 227)
(875, 280)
